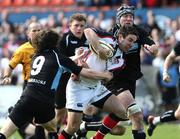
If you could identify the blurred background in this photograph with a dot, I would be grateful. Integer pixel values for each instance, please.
(161, 18)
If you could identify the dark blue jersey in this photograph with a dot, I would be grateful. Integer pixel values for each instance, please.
(132, 70)
(177, 49)
(69, 43)
(46, 70)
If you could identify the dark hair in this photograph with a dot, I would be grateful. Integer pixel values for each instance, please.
(126, 30)
(45, 39)
(78, 17)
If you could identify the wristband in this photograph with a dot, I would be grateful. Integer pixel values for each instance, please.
(165, 72)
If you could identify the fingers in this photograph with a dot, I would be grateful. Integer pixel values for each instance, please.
(6, 80)
(166, 78)
(147, 47)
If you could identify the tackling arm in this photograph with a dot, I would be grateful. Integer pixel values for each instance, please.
(107, 76)
(168, 62)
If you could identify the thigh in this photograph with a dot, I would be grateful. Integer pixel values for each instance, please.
(23, 111)
(113, 105)
(126, 98)
(44, 112)
(78, 96)
(122, 85)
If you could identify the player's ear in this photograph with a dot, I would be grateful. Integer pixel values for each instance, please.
(120, 37)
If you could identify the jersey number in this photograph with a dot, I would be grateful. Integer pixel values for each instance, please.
(37, 65)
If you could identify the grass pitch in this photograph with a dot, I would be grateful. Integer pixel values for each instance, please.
(165, 131)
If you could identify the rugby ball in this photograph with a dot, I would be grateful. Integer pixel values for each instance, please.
(105, 45)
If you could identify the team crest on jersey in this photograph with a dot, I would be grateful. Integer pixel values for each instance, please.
(79, 105)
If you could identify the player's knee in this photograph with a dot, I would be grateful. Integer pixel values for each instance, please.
(72, 128)
(135, 111)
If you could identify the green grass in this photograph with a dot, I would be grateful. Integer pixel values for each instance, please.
(165, 131)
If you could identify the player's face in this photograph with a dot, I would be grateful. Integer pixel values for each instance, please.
(34, 29)
(126, 20)
(126, 43)
(77, 28)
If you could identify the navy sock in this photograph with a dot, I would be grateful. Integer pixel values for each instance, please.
(168, 116)
(2, 136)
(138, 134)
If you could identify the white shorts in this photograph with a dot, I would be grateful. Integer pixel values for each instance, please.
(79, 96)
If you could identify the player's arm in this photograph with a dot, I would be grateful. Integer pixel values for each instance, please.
(14, 61)
(93, 40)
(152, 49)
(107, 76)
(167, 63)
(7, 76)
(89, 73)
(92, 37)
(148, 42)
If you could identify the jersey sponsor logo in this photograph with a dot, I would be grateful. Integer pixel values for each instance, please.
(86, 43)
(32, 80)
(79, 105)
(74, 42)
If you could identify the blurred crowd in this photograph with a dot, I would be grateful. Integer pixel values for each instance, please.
(90, 3)
(137, 3)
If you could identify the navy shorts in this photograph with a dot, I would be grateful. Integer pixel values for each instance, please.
(28, 108)
(116, 87)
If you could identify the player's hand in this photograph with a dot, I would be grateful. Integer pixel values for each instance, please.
(166, 77)
(109, 76)
(79, 51)
(74, 77)
(152, 49)
(79, 54)
(83, 64)
(6, 80)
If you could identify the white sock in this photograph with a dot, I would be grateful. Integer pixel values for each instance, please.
(156, 120)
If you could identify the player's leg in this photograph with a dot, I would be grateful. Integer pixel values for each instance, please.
(134, 113)
(89, 115)
(73, 123)
(165, 117)
(94, 126)
(8, 128)
(112, 105)
(60, 101)
(51, 128)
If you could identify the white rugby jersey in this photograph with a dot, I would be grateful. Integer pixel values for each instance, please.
(94, 62)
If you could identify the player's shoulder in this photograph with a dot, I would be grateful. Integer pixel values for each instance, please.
(25, 48)
(141, 30)
(25, 45)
